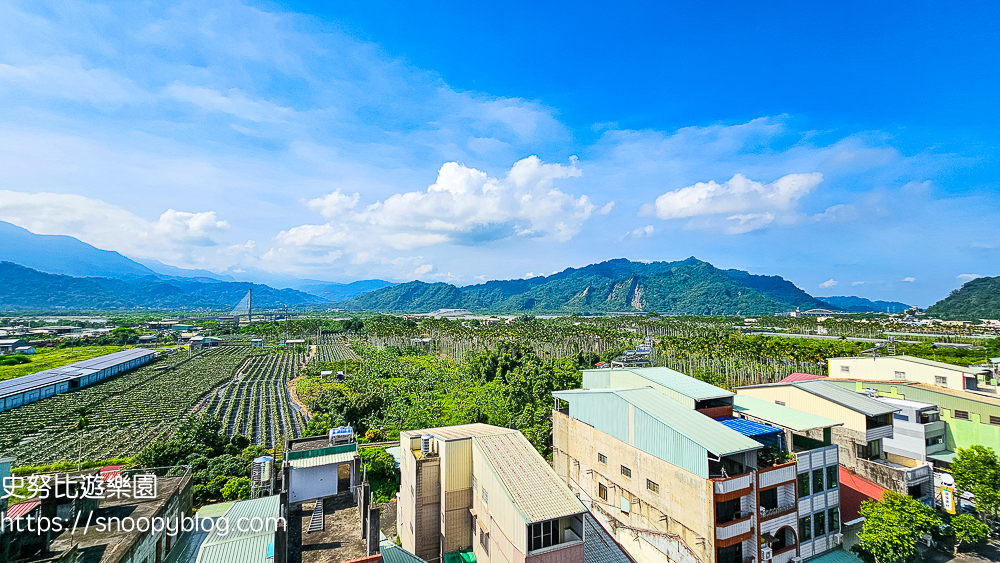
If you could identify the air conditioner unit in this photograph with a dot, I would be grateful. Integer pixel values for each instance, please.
(796, 559)
(765, 553)
(838, 538)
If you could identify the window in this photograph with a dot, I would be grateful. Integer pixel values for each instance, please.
(995, 420)
(845, 369)
(834, 520)
(601, 458)
(625, 503)
(871, 450)
(486, 497)
(832, 477)
(805, 529)
(803, 484)
(781, 403)
(819, 524)
(940, 380)
(484, 540)
(626, 472)
(935, 440)
(900, 416)
(602, 491)
(475, 483)
(817, 480)
(544, 534)
(655, 487)
(961, 415)
(900, 375)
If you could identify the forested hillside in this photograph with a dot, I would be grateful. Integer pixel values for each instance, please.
(27, 289)
(689, 286)
(977, 299)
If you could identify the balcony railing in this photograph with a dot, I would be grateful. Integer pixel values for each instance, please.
(725, 485)
(772, 512)
(732, 518)
(878, 432)
(785, 555)
(776, 475)
(733, 529)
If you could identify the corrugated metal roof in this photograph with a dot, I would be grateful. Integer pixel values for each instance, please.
(70, 371)
(747, 427)
(459, 432)
(328, 459)
(242, 547)
(598, 545)
(686, 385)
(838, 556)
(850, 399)
(801, 377)
(532, 486)
(785, 417)
(698, 428)
(20, 509)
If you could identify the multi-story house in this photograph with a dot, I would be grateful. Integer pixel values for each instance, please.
(908, 369)
(484, 490)
(668, 465)
(867, 423)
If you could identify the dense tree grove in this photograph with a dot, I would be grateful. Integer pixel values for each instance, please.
(396, 391)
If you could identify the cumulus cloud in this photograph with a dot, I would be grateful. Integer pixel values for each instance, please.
(747, 204)
(464, 206)
(909, 279)
(177, 236)
(646, 231)
(828, 283)
(968, 277)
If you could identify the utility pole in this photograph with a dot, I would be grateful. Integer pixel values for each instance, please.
(286, 325)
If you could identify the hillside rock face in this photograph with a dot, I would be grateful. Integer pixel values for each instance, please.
(688, 286)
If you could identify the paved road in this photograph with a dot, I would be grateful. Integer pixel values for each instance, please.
(826, 337)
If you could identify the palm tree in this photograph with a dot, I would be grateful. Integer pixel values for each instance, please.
(81, 424)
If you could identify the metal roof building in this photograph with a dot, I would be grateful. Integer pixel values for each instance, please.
(653, 422)
(674, 384)
(849, 399)
(785, 417)
(31, 388)
(236, 546)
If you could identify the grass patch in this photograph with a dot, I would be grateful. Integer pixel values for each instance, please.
(47, 358)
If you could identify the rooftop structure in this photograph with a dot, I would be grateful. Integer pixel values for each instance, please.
(484, 489)
(797, 376)
(674, 384)
(30, 388)
(233, 545)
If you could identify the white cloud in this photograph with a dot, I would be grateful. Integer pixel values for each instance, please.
(646, 231)
(177, 237)
(969, 277)
(910, 279)
(828, 283)
(855, 283)
(423, 270)
(334, 204)
(236, 103)
(751, 204)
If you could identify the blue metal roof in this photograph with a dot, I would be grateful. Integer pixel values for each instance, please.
(68, 372)
(747, 427)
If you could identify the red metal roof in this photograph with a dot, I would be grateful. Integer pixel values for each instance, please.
(801, 377)
(854, 489)
(110, 472)
(20, 509)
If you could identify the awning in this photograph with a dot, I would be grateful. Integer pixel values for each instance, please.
(945, 456)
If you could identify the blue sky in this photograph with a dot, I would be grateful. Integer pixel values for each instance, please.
(847, 147)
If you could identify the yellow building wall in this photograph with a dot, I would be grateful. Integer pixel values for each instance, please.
(804, 401)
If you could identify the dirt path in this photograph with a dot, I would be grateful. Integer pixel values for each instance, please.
(295, 398)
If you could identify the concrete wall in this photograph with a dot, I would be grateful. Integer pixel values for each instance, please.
(683, 510)
(419, 525)
(885, 368)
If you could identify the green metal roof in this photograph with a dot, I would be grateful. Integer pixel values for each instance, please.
(838, 556)
(242, 547)
(696, 427)
(796, 420)
(328, 459)
(685, 385)
(392, 553)
(945, 456)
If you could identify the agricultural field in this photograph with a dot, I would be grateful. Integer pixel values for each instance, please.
(127, 412)
(48, 358)
(333, 350)
(256, 402)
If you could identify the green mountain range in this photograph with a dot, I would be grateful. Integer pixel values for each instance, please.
(977, 299)
(26, 289)
(688, 286)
